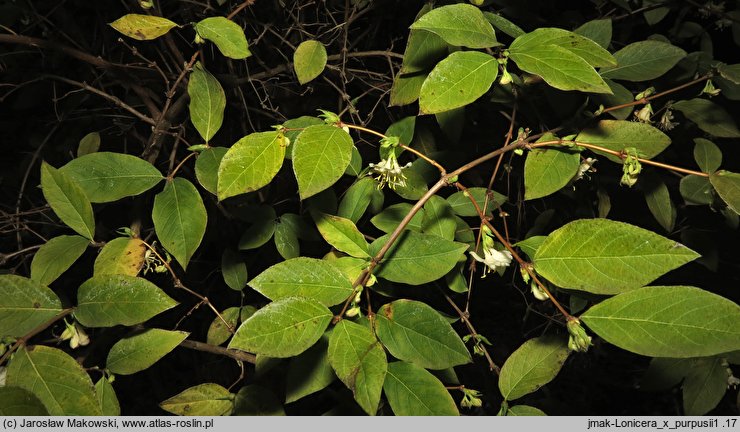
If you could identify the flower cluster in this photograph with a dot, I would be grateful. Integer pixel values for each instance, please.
(75, 334)
(578, 341)
(389, 172)
(493, 258)
(631, 167)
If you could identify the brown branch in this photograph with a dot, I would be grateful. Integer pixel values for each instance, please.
(219, 350)
(239, 8)
(38, 329)
(645, 100)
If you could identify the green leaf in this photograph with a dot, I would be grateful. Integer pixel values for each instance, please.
(456, 81)
(206, 167)
(548, 170)
(56, 379)
(218, 332)
(108, 300)
(309, 372)
(423, 50)
(15, 401)
(462, 205)
(56, 256)
(530, 245)
(607, 257)
(707, 155)
(250, 164)
(107, 398)
(106, 176)
(283, 328)
(696, 190)
(532, 365)
(355, 164)
(659, 202)
(704, 386)
(621, 95)
(202, 400)
(664, 373)
(415, 186)
(342, 234)
(391, 216)
(642, 61)
(668, 321)
(581, 46)
(122, 255)
(24, 305)
(142, 27)
(90, 143)
(414, 332)
(226, 34)
(207, 102)
(180, 219)
(524, 411)
(599, 31)
(727, 185)
(255, 400)
(403, 129)
(140, 351)
(263, 219)
(233, 270)
(709, 116)
(356, 199)
(359, 361)
(503, 25)
(68, 200)
(559, 67)
(413, 391)
(416, 259)
(321, 154)
(439, 218)
(459, 25)
(406, 88)
(309, 60)
(286, 240)
(619, 134)
(730, 72)
(304, 277)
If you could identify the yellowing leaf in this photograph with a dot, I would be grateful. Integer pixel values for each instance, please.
(226, 34)
(142, 27)
(309, 60)
(207, 102)
(250, 164)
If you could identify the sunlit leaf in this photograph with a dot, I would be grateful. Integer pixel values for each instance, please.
(459, 25)
(226, 34)
(68, 200)
(607, 257)
(532, 365)
(414, 332)
(202, 400)
(207, 102)
(303, 277)
(620, 134)
(106, 176)
(56, 379)
(180, 219)
(107, 398)
(456, 81)
(108, 300)
(309, 60)
(143, 27)
(25, 304)
(56, 256)
(283, 328)
(668, 321)
(359, 361)
(321, 154)
(413, 391)
(250, 164)
(140, 351)
(342, 234)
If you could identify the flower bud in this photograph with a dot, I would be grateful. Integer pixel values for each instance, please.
(579, 341)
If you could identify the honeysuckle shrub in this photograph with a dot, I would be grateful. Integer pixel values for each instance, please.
(409, 208)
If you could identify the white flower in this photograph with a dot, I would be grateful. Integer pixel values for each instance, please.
(389, 172)
(493, 259)
(538, 292)
(587, 166)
